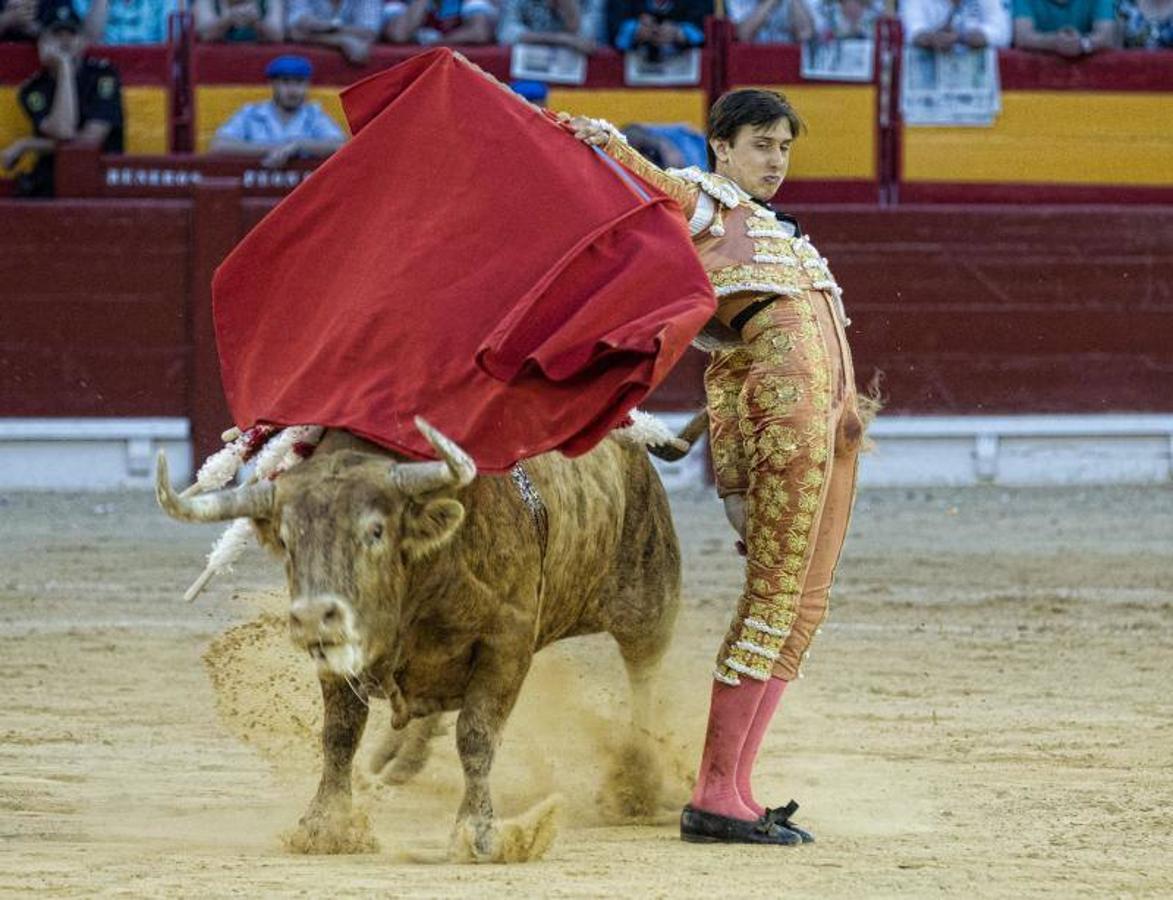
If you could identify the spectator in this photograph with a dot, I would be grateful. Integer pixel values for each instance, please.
(349, 26)
(239, 21)
(20, 19)
(669, 146)
(771, 21)
(1146, 24)
(657, 27)
(944, 24)
(1072, 28)
(69, 99)
(837, 20)
(440, 21)
(285, 127)
(126, 21)
(564, 23)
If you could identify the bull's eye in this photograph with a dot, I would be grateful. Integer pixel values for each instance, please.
(376, 532)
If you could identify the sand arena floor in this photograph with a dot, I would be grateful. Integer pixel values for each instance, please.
(987, 713)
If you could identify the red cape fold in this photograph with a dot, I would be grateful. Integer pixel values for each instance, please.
(463, 258)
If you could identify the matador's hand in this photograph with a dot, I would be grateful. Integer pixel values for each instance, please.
(590, 131)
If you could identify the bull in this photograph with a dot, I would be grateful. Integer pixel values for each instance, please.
(420, 583)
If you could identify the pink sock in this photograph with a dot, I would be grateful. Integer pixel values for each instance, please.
(753, 742)
(731, 715)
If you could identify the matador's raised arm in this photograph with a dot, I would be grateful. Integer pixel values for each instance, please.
(687, 193)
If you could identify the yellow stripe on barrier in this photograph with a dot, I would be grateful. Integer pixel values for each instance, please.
(13, 122)
(627, 105)
(144, 116)
(215, 105)
(1046, 137)
(840, 141)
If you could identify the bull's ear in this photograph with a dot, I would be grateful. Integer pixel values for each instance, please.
(431, 527)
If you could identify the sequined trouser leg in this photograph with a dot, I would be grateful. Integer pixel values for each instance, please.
(785, 431)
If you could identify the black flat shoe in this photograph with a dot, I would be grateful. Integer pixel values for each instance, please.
(781, 818)
(700, 827)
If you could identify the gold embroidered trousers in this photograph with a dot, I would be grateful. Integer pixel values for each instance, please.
(785, 432)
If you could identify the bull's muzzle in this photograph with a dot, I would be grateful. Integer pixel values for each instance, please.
(324, 626)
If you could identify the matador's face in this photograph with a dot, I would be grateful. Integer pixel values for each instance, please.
(757, 157)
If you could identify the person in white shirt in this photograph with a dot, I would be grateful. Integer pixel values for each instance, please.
(943, 24)
(771, 21)
(838, 20)
(285, 127)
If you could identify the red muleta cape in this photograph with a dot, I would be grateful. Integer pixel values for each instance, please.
(463, 258)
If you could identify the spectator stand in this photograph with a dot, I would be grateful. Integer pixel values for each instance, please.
(146, 74)
(226, 76)
(605, 94)
(841, 161)
(1093, 130)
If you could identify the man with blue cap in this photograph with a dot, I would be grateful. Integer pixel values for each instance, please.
(285, 127)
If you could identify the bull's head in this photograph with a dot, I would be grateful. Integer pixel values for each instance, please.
(350, 526)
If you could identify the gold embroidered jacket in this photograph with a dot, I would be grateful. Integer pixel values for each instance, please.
(744, 248)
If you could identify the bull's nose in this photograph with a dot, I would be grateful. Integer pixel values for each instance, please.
(312, 618)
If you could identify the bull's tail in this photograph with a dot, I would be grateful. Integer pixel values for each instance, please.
(870, 403)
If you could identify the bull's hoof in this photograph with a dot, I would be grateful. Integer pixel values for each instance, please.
(321, 834)
(524, 839)
(476, 842)
(634, 787)
(405, 752)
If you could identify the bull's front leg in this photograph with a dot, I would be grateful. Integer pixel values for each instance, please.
(492, 690)
(331, 825)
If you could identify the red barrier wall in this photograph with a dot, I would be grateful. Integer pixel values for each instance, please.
(145, 65)
(972, 310)
(966, 310)
(1121, 70)
(94, 308)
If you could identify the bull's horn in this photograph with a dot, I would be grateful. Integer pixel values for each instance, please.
(456, 468)
(254, 501)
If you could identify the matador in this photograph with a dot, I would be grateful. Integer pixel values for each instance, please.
(785, 433)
